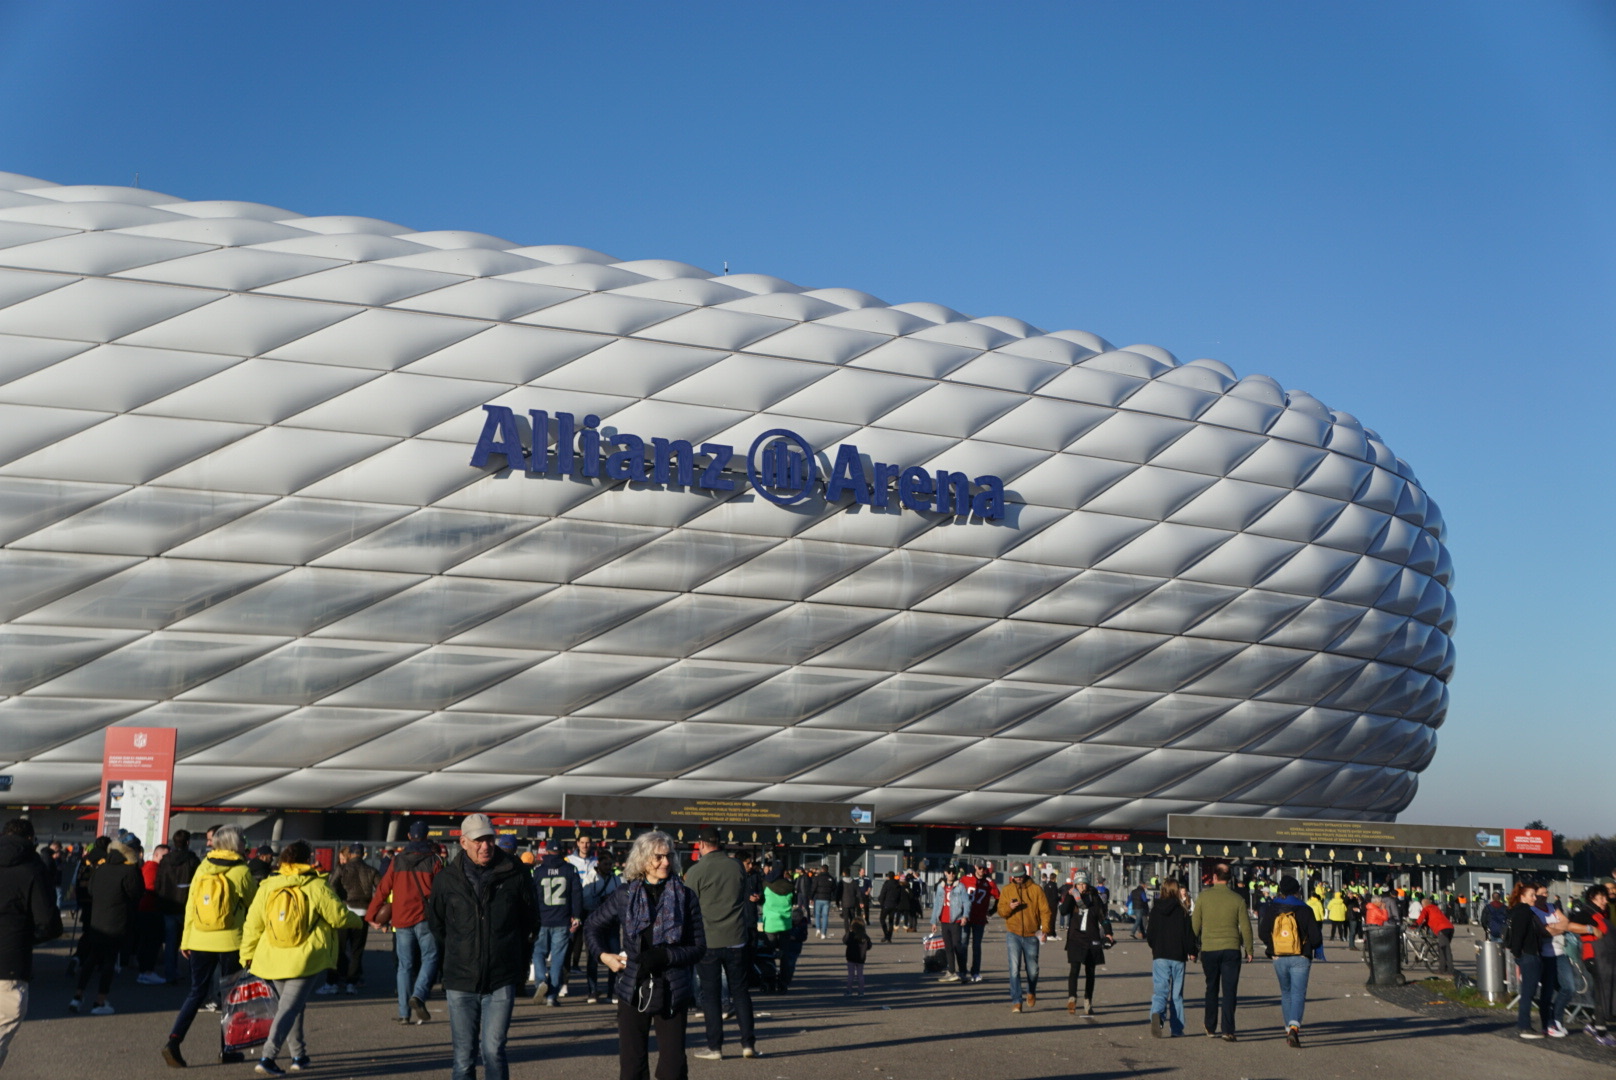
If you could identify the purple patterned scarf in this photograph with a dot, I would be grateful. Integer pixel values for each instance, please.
(670, 913)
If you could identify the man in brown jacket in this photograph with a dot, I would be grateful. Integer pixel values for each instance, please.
(1027, 921)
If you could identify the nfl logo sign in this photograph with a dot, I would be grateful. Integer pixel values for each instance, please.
(140, 740)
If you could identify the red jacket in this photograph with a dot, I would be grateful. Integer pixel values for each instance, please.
(407, 884)
(1431, 915)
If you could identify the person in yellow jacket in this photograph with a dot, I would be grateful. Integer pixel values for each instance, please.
(215, 908)
(1027, 921)
(1336, 913)
(290, 938)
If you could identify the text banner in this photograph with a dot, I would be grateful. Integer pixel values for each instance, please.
(811, 815)
(1343, 834)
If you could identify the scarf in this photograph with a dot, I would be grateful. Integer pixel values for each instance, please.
(670, 913)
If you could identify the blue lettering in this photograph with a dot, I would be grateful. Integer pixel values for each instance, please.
(667, 452)
(500, 436)
(564, 438)
(885, 476)
(628, 463)
(914, 489)
(541, 441)
(989, 502)
(960, 504)
(847, 475)
(589, 446)
(712, 477)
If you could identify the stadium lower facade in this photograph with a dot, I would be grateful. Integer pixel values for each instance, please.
(381, 519)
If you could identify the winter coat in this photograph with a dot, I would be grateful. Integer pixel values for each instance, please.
(174, 875)
(115, 891)
(1169, 932)
(407, 884)
(719, 882)
(243, 887)
(1525, 932)
(1220, 921)
(858, 944)
(778, 900)
(1307, 926)
(822, 888)
(485, 930)
(892, 895)
(1024, 908)
(677, 960)
(1088, 927)
(559, 891)
(355, 883)
(955, 898)
(317, 951)
(28, 914)
(599, 889)
(1336, 909)
(849, 897)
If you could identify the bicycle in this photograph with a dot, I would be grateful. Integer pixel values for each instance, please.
(1420, 948)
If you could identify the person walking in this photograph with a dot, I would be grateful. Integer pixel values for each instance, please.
(1027, 921)
(400, 902)
(1335, 912)
(216, 907)
(891, 901)
(982, 894)
(659, 922)
(1088, 935)
(115, 892)
(560, 897)
(483, 913)
(858, 945)
(949, 910)
(288, 939)
(1290, 936)
(720, 887)
(354, 882)
(1223, 930)
(847, 900)
(821, 891)
(174, 875)
(1138, 908)
(28, 917)
(1172, 946)
(779, 908)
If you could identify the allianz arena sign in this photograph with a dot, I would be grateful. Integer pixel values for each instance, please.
(781, 465)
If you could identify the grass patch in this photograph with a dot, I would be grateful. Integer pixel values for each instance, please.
(1468, 996)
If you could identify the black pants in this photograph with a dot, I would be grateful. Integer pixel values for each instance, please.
(954, 947)
(634, 1043)
(1603, 976)
(148, 939)
(350, 957)
(98, 952)
(1086, 966)
(1222, 967)
(889, 919)
(719, 964)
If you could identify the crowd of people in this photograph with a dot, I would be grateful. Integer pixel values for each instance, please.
(665, 943)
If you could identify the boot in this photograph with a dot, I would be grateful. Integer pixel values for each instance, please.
(1071, 1006)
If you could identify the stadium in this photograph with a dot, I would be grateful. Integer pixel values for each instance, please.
(387, 520)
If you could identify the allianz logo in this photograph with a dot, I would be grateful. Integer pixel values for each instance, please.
(781, 465)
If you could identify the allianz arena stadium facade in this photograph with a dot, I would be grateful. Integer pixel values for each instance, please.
(724, 537)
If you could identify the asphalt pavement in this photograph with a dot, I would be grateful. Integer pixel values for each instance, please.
(907, 1027)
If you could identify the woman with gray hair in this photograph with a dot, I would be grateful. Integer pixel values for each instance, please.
(658, 920)
(215, 908)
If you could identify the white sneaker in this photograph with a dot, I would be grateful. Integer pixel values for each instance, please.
(1556, 1030)
(563, 992)
(103, 1009)
(328, 989)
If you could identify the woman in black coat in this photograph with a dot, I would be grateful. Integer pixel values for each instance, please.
(1088, 933)
(659, 922)
(114, 888)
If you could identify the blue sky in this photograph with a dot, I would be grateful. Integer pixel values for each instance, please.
(1406, 210)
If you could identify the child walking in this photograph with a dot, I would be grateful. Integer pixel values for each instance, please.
(857, 940)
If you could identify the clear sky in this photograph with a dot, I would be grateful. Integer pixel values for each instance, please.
(1408, 210)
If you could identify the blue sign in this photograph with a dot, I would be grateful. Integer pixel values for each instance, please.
(781, 465)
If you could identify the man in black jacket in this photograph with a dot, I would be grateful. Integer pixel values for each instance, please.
(822, 890)
(484, 915)
(28, 916)
(174, 876)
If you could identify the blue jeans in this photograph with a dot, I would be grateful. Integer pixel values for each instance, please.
(1292, 973)
(1167, 992)
(822, 917)
(416, 951)
(550, 956)
(480, 1021)
(1022, 949)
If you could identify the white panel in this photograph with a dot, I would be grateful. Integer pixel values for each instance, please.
(637, 368)
(240, 324)
(259, 391)
(363, 283)
(398, 404)
(127, 449)
(377, 339)
(513, 354)
(98, 309)
(276, 461)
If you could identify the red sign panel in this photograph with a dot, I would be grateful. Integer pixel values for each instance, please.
(137, 783)
(1104, 837)
(1529, 841)
(546, 821)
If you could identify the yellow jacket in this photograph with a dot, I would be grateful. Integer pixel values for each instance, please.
(1317, 907)
(243, 887)
(1028, 920)
(1337, 909)
(318, 950)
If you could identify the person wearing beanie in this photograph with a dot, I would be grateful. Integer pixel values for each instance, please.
(1290, 935)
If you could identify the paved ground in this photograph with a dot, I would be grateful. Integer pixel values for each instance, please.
(907, 1028)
